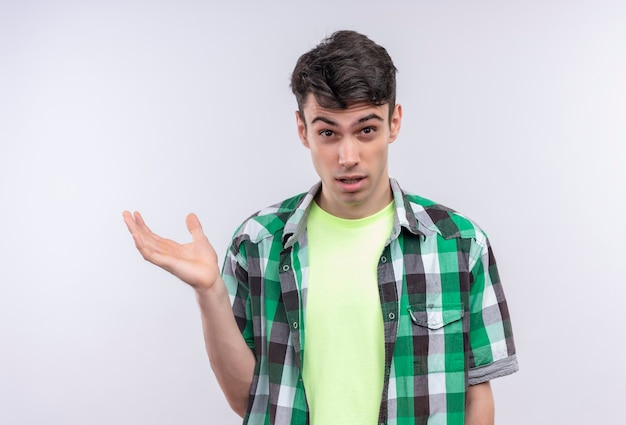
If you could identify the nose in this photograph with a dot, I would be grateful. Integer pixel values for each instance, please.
(349, 153)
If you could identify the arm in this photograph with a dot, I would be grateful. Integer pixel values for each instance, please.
(195, 263)
(479, 405)
(491, 338)
(231, 359)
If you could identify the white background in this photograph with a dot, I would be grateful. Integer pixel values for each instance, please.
(514, 114)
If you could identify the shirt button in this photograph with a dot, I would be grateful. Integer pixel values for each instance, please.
(383, 259)
(392, 316)
(295, 325)
(286, 267)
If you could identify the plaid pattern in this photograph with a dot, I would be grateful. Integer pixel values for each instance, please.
(446, 320)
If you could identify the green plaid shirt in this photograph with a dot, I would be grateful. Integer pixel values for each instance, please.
(446, 321)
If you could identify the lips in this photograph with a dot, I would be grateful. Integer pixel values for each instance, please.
(350, 183)
(350, 178)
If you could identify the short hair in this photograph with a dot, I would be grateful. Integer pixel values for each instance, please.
(344, 69)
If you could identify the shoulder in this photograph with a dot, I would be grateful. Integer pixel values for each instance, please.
(269, 221)
(444, 220)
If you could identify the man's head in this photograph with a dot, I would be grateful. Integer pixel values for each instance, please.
(344, 69)
(347, 117)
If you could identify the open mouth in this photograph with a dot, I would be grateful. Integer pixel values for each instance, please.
(350, 181)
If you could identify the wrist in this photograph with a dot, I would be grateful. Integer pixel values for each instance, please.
(216, 290)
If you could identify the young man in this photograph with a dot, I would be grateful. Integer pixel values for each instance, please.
(356, 302)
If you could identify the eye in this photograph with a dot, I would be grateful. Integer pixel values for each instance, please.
(327, 133)
(368, 130)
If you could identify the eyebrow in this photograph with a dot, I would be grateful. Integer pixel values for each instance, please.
(359, 121)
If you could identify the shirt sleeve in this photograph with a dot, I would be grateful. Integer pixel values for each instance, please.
(492, 349)
(235, 276)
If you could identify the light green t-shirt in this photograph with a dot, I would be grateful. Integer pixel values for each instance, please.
(344, 354)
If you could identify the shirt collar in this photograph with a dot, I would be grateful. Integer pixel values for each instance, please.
(404, 216)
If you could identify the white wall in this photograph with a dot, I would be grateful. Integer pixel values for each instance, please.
(514, 113)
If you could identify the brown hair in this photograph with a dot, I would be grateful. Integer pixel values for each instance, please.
(343, 69)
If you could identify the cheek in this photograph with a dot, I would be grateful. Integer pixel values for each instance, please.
(379, 156)
(376, 150)
(322, 159)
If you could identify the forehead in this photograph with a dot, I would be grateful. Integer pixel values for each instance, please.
(350, 115)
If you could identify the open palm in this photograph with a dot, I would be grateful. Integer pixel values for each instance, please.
(194, 263)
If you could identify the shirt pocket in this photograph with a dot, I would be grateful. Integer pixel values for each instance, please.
(433, 316)
(438, 340)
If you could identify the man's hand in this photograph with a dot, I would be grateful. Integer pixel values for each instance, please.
(194, 263)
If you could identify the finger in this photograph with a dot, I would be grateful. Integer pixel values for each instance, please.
(139, 219)
(130, 221)
(141, 225)
(194, 227)
(150, 245)
(135, 232)
(135, 224)
(140, 232)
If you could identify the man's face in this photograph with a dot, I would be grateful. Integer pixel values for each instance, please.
(349, 151)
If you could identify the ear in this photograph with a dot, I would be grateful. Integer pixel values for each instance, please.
(396, 122)
(300, 122)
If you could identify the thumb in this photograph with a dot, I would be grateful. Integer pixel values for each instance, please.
(194, 227)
